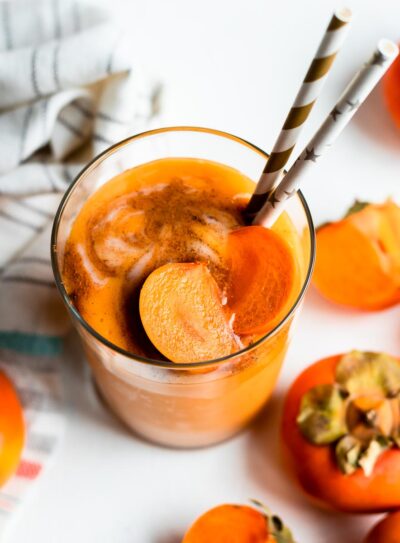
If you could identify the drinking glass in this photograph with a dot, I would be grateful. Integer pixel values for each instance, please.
(192, 404)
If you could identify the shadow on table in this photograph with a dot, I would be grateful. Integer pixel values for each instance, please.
(317, 302)
(374, 119)
(170, 538)
(268, 470)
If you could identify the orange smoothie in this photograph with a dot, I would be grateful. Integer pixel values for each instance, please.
(175, 210)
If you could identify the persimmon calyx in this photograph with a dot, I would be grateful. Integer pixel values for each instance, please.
(321, 418)
(358, 414)
(357, 206)
(276, 528)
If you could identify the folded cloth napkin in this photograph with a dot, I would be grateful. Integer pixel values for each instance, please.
(67, 79)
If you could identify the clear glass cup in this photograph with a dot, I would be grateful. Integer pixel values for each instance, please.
(194, 404)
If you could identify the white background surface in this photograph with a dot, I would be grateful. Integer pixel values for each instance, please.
(236, 66)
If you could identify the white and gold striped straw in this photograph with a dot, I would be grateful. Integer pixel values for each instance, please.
(353, 96)
(302, 105)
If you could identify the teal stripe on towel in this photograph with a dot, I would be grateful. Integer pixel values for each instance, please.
(30, 343)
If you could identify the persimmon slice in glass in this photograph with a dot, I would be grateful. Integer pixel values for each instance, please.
(182, 314)
(261, 279)
(12, 429)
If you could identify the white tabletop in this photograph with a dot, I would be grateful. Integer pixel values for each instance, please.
(236, 66)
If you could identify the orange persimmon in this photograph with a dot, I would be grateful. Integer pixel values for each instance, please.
(237, 524)
(315, 466)
(391, 90)
(181, 311)
(358, 258)
(261, 278)
(386, 531)
(12, 429)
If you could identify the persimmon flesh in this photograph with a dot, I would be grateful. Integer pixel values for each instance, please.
(262, 273)
(181, 311)
(358, 258)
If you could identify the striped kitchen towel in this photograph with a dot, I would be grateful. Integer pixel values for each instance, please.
(68, 81)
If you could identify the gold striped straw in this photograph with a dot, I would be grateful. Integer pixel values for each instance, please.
(302, 105)
(353, 96)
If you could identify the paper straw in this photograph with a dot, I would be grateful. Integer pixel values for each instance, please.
(353, 96)
(308, 93)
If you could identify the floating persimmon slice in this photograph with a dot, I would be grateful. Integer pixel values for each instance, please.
(12, 429)
(261, 278)
(182, 314)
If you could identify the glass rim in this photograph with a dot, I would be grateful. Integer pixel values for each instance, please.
(151, 361)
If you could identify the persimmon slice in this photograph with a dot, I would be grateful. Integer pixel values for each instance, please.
(261, 278)
(12, 429)
(358, 258)
(182, 314)
(235, 523)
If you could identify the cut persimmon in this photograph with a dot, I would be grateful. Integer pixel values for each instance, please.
(261, 278)
(12, 429)
(182, 314)
(358, 258)
(238, 524)
(391, 90)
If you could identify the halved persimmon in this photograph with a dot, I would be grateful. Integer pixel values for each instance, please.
(386, 531)
(358, 258)
(182, 313)
(261, 279)
(238, 524)
(12, 429)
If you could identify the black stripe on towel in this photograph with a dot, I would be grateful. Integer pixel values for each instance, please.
(50, 177)
(109, 64)
(24, 131)
(85, 111)
(34, 79)
(67, 174)
(108, 118)
(31, 207)
(76, 16)
(28, 281)
(56, 74)
(21, 222)
(99, 137)
(6, 24)
(31, 259)
(57, 20)
(71, 128)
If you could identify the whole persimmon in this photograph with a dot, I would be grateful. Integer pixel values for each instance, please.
(238, 524)
(386, 531)
(391, 90)
(12, 429)
(358, 257)
(341, 432)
